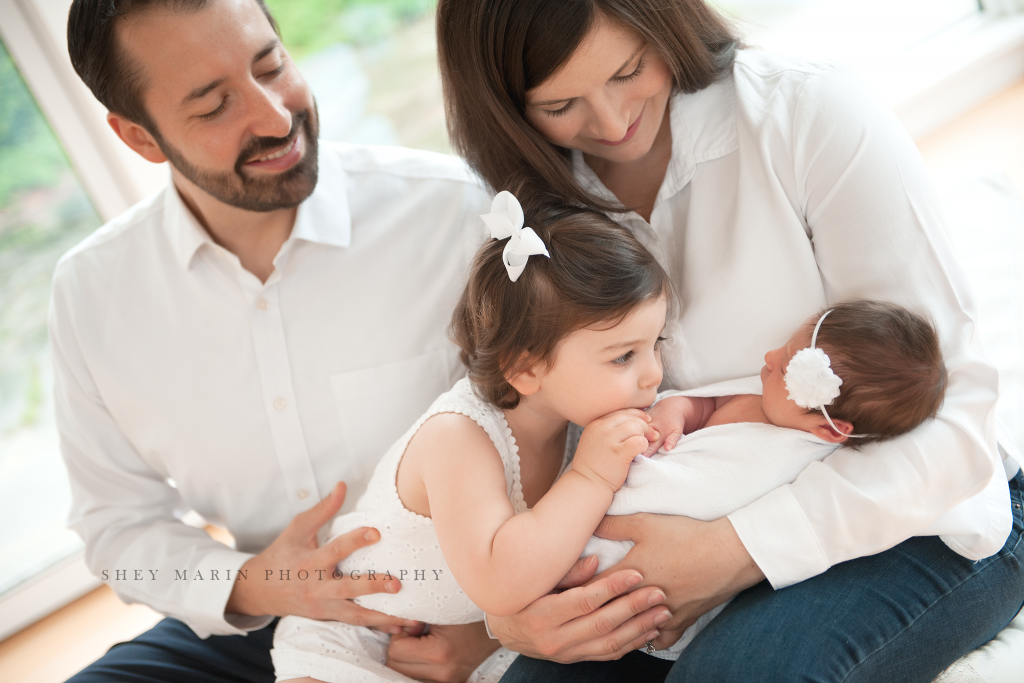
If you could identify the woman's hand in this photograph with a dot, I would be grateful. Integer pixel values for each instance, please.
(448, 654)
(699, 565)
(585, 622)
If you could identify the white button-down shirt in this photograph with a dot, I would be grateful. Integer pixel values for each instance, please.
(183, 382)
(788, 189)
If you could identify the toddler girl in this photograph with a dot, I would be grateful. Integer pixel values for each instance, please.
(858, 372)
(481, 505)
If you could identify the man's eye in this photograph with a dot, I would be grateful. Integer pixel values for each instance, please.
(213, 114)
(624, 358)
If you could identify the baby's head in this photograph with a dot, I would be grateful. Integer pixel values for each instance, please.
(589, 315)
(890, 364)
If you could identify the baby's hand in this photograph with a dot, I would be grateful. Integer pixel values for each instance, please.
(610, 443)
(668, 418)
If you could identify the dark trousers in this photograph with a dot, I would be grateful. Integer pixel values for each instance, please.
(171, 652)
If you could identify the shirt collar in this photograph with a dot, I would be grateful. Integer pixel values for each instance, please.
(323, 217)
(703, 128)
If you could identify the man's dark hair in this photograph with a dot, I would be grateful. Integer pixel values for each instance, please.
(101, 63)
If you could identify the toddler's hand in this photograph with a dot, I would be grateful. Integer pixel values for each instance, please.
(610, 443)
(668, 418)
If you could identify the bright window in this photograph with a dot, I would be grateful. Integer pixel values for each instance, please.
(43, 213)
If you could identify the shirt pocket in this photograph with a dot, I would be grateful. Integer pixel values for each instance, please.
(377, 405)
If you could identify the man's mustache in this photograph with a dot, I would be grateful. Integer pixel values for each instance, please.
(257, 146)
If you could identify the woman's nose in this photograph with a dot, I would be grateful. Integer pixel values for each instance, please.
(611, 121)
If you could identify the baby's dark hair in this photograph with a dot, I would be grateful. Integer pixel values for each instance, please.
(598, 272)
(891, 366)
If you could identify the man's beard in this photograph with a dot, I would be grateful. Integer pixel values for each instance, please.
(266, 193)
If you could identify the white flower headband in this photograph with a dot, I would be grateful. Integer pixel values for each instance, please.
(810, 379)
(506, 222)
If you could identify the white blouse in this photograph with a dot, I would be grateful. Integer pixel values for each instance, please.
(790, 188)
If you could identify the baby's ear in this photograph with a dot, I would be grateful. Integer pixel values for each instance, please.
(526, 374)
(823, 430)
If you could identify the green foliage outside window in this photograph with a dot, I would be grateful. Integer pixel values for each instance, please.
(311, 25)
(29, 155)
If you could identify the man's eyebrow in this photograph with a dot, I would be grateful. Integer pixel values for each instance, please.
(201, 91)
(204, 90)
(617, 72)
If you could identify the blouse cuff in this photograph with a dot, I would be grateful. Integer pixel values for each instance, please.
(780, 539)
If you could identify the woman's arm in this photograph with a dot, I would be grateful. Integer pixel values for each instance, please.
(876, 229)
(502, 560)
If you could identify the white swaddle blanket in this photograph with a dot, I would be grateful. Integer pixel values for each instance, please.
(710, 474)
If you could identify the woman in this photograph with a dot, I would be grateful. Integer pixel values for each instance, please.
(768, 189)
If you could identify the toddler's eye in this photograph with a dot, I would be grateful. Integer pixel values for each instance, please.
(658, 342)
(624, 358)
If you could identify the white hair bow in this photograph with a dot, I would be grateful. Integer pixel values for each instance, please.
(505, 221)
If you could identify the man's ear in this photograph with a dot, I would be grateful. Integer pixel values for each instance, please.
(136, 137)
(526, 375)
(823, 430)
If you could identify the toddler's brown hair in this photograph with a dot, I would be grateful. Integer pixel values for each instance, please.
(598, 272)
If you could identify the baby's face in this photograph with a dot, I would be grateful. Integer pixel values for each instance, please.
(775, 401)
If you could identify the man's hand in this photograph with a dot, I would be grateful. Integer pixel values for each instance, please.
(320, 596)
(586, 622)
(448, 654)
(698, 564)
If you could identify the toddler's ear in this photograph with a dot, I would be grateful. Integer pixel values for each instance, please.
(823, 430)
(526, 375)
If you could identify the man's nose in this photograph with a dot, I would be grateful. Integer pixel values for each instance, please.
(270, 118)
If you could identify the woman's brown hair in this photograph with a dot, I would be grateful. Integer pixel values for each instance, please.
(491, 52)
(598, 272)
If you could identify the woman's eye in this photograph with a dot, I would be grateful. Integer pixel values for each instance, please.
(274, 72)
(559, 112)
(624, 358)
(628, 77)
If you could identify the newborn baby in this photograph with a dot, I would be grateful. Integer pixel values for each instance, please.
(876, 366)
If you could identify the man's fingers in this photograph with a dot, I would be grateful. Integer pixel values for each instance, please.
(624, 624)
(308, 523)
(349, 588)
(341, 547)
(580, 572)
(586, 599)
(351, 613)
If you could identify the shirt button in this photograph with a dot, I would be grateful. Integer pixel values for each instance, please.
(263, 304)
(302, 494)
(280, 403)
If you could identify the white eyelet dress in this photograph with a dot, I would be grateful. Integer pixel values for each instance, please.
(408, 550)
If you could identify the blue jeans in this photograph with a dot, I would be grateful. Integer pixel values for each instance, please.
(903, 615)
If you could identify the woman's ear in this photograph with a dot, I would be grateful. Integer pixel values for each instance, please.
(526, 375)
(823, 430)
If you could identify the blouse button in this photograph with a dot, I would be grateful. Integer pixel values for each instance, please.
(263, 304)
(280, 403)
(302, 494)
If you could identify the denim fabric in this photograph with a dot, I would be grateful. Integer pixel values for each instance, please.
(903, 615)
(171, 652)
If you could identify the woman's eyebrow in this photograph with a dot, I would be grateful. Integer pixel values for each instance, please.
(617, 72)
